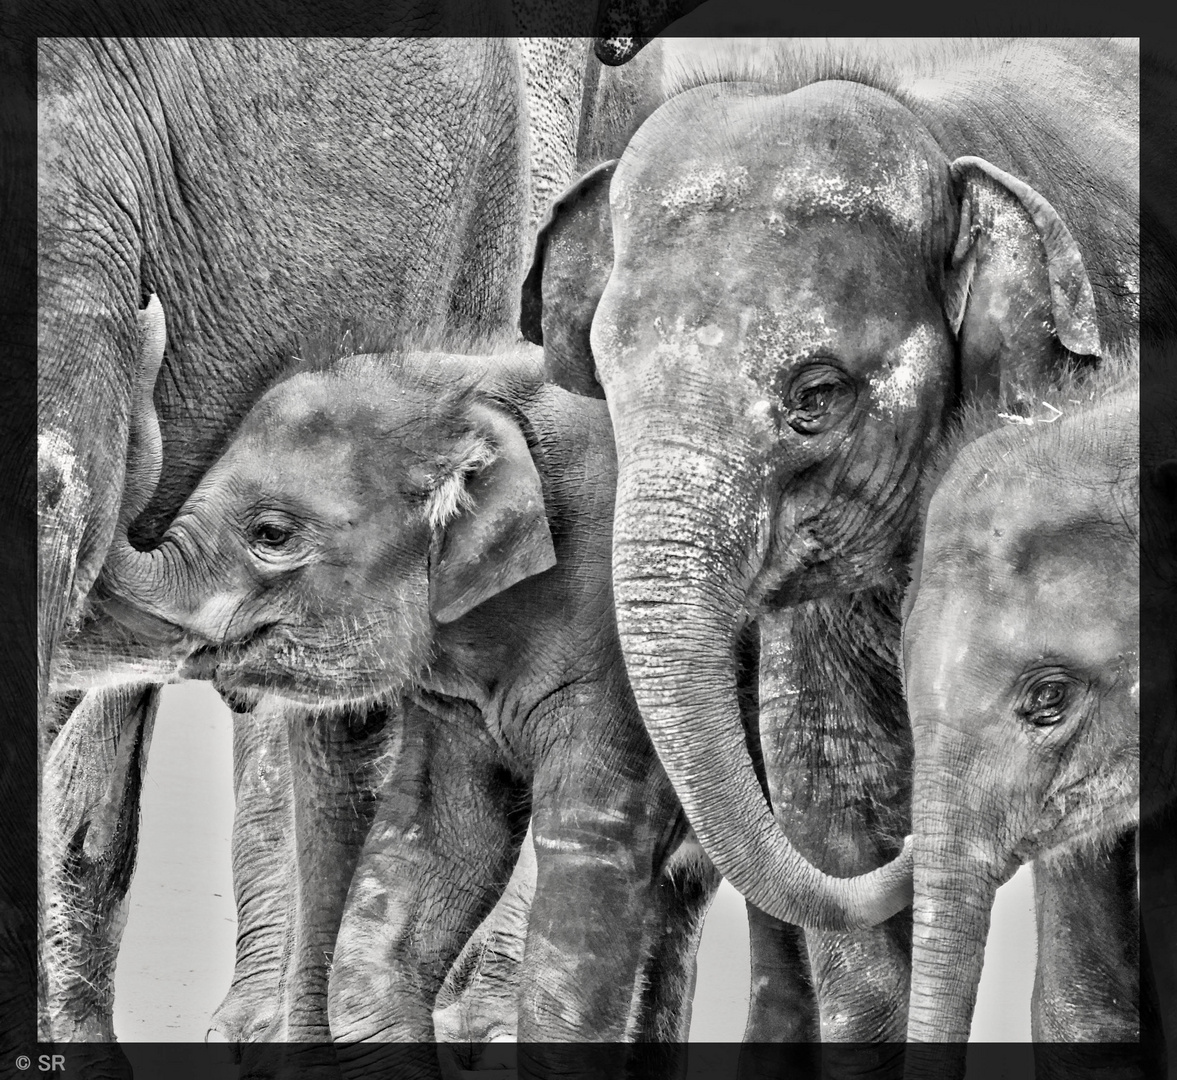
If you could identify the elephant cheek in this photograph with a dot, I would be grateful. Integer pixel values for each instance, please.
(219, 617)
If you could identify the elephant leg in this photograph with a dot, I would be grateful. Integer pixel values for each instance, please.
(781, 1006)
(601, 840)
(836, 747)
(484, 293)
(89, 833)
(445, 836)
(338, 762)
(332, 763)
(666, 987)
(305, 785)
(683, 896)
(1087, 984)
(781, 1036)
(262, 852)
(477, 1004)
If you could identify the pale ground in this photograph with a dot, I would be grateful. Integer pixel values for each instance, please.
(177, 955)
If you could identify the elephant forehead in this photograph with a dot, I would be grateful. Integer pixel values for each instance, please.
(896, 194)
(333, 480)
(988, 606)
(835, 150)
(1031, 522)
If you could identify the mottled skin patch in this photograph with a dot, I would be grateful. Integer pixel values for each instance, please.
(706, 189)
(898, 388)
(805, 191)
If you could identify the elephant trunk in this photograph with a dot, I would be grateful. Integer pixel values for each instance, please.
(680, 588)
(955, 885)
(139, 588)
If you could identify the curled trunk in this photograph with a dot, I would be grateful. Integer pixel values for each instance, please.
(679, 606)
(138, 588)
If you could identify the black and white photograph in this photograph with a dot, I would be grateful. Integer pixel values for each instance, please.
(559, 552)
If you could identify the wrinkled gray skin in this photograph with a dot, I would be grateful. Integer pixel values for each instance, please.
(782, 317)
(435, 534)
(580, 112)
(1021, 651)
(182, 167)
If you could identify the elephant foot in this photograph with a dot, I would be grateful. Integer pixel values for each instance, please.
(240, 1018)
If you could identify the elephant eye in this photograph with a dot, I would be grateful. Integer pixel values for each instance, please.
(1045, 703)
(271, 535)
(269, 538)
(818, 396)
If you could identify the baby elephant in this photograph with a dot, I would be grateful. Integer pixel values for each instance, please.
(434, 531)
(1021, 651)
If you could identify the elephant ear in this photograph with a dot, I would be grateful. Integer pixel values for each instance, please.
(1017, 288)
(486, 508)
(571, 266)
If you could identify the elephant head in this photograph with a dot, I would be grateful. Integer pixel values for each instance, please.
(789, 307)
(356, 509)
(1021, 651)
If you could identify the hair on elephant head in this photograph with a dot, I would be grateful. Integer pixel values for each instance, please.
(782, 317)
(357, 507)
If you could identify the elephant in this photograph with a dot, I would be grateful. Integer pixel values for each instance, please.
(430, 533)
(260, 189)
(1021, 654)
(158, 173)
(783, 318)
(576, 111)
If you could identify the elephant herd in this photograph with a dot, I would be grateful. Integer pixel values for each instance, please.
(797, 540)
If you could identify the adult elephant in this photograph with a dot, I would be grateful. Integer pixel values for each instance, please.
(782, 318)
(262, 189)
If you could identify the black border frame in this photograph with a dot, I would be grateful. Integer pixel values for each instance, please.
(23, 21)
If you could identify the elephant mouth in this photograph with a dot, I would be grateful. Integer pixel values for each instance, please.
(840, 545)
(272, 662)
(143, 624)
(231, 663)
